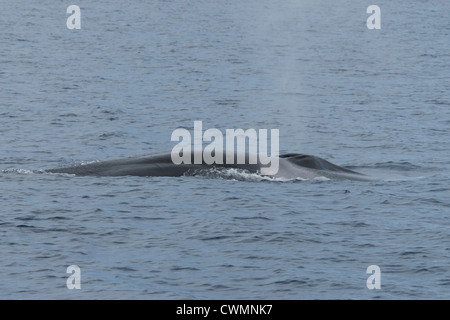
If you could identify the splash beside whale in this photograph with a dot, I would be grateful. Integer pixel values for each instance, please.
(291, 166)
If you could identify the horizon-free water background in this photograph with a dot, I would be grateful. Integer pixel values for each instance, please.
(373, 100)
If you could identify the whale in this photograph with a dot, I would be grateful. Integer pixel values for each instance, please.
(291, 166)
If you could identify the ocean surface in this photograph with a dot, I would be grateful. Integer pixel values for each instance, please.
(375, 101)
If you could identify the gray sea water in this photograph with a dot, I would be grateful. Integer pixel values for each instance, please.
(376, 101)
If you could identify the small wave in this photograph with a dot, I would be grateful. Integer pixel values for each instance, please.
(396, 171)
(389, 174)
(18, 171)
(108, 135)
(390, 165)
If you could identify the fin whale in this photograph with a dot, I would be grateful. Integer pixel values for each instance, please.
(291, 166)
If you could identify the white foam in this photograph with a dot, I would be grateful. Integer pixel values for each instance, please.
(19, 171)
(242, 175)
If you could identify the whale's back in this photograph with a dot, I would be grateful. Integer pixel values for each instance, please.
(291, 166)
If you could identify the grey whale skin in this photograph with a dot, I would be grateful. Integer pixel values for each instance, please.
(291, 166)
